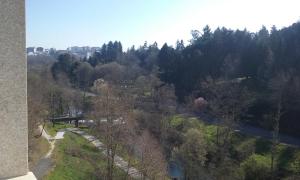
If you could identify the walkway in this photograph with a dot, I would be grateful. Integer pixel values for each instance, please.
(45, 164)
(119, 162)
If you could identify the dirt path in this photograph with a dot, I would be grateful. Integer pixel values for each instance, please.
(46, 164)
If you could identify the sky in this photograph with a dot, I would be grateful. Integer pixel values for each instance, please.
(64, 23)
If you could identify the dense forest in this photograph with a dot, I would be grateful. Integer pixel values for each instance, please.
(261, 58)
(238, 77)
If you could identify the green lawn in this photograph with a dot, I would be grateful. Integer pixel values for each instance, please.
(76, 158)
(53, 130)
(61, 125)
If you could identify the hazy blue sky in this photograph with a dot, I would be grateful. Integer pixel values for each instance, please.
(64, 23)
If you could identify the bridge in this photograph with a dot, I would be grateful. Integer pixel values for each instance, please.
(67, 119)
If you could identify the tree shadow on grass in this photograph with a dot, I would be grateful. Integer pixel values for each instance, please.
(89, 148)
(262, 146)
(285, 156)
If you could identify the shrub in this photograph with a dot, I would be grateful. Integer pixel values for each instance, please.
(294, 166)
(256, 167)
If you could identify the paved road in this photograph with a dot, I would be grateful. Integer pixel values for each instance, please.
(42, 168)
(254, 131)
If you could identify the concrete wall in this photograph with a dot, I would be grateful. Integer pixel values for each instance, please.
(13, 90)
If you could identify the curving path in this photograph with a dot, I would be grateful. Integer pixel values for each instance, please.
(45, 164)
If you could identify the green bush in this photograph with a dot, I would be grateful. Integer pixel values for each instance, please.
(177, 122)
(294, 166)
(256, 167)
(245, 149)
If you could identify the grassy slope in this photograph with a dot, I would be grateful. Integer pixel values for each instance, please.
(121, 150)
(76, 158)
(53, 130)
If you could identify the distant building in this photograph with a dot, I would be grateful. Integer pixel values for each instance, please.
(34, 51)
(83, 52)
(89, 54)
(30, 50)
(58, 52)
(95, 49)
(39, 50)
(52, 51)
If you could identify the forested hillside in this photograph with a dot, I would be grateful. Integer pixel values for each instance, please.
(268, 62)
(145, 103)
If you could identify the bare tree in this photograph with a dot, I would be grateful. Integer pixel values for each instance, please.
(37, 112)
(118, 128)
(278, 86)
(112, 114)
(227, 100)
(152, 163)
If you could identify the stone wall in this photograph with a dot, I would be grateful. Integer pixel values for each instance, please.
(13, 90)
